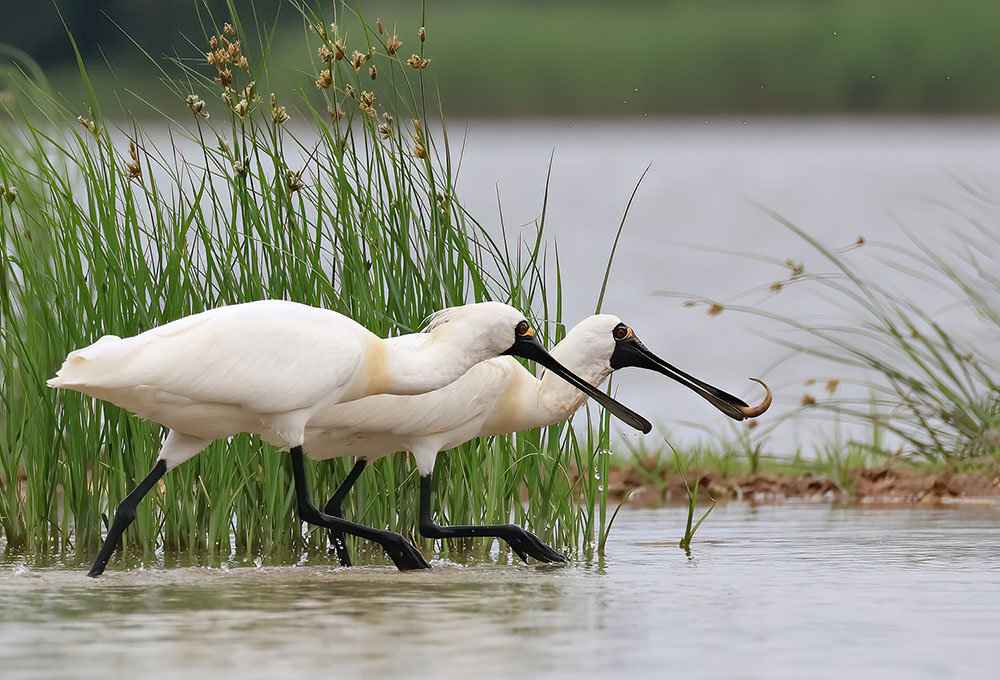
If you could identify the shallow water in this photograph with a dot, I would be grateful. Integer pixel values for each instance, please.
(789, 591)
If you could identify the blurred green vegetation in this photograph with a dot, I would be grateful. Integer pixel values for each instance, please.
(635, 57)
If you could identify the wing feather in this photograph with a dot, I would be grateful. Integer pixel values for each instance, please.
(268, 356)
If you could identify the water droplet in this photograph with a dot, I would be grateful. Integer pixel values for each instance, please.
(745, 123)
(873, 76)
(597, 475)
(645, 115)
(625, 101)
(600, 487)
(762, 87)
(259, 562)
(835, 33)
(636, 89)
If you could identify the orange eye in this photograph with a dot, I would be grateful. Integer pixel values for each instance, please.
(522, 328)
(622, 331)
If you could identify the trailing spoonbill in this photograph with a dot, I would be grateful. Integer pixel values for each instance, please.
(266, 367)
(494, 397)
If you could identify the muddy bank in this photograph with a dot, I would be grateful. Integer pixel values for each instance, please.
(652, 486)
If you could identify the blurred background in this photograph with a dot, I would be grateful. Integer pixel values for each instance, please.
(627, 58)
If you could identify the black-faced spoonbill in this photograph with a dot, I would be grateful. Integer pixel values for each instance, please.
(494, 397)
(267, 367)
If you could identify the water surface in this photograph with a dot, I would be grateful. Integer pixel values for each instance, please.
(788, 591)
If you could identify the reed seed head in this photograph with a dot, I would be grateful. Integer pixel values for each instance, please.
(228, 28)
(336, 113)
(832, 384)
(242, 108)
(197, 105)
(225, 78)
(358, 60)
(349, 91)
(338, 50)
(132, 166)
(9, 193)
(419, 151)
(807, 400)
(293, 180)
(715, 309)
(393, 45)
(373, 74)
(378, 23)
(417, 62)
(324, 80)
(278, 113)
(422, 32)
(89, 124)
(325, 54)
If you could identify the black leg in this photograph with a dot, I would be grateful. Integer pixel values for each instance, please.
(402, 554)
(522, 542)
(125, 515)
(333, 508)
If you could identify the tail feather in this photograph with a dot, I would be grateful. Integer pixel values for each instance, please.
(74, 370)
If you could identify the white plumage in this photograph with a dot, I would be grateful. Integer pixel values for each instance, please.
(265, 367)
(498, 396)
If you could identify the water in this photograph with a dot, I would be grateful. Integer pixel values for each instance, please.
(838, 179)
(788, 591)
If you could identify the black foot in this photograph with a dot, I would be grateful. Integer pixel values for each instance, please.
(525, 544)
(404, 555)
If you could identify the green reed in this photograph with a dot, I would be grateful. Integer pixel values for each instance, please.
(344, 199)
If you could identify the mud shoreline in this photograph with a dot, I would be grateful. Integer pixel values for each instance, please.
(879, 485)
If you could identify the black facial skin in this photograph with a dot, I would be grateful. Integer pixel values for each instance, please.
(527, 346)
(629, 351)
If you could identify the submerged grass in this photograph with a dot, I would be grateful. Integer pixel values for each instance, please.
(344, 199)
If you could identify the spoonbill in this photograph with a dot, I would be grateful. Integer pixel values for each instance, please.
(494, 397)
(267, 367)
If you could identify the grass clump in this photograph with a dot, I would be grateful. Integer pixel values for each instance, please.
(344, 198)
(927, 380)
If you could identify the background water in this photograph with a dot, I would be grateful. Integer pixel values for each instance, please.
(838, 179)
(788, 591)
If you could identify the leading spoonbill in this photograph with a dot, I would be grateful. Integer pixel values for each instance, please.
(494, 397)
(267, 367)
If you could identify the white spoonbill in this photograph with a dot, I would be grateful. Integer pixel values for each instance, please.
(267, 367)
(494, 397)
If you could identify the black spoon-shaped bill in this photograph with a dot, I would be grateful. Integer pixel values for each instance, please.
(528, 347)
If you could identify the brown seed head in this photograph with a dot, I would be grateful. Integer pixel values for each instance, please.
(228, 28)
(213, 42)
(419, 151)
(244, 64)
(225, 78)
(349, 91)
(210, 58)
(715, 309)
(338, 50)
(250, 91)
(417, 62)
(241, 108)
(393, 45)
(133, 167)
(324, 79)
(422, 32)
(335, 113)
(358, 60)
(807, 400)
(320, 30)
(325, 54)
(776, 287)
(372, 72)
(293, 180)
(378, 22)
(689, 303)
(831, 385)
